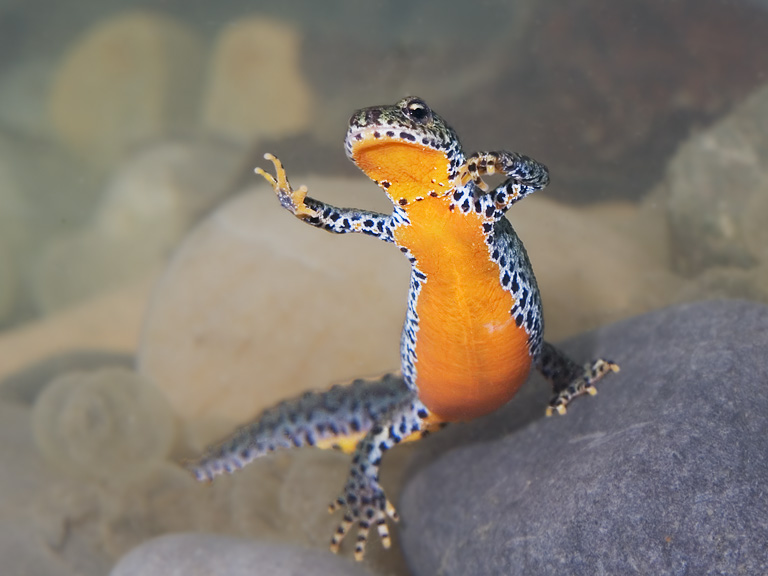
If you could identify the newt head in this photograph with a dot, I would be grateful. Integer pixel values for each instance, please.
(407, 149)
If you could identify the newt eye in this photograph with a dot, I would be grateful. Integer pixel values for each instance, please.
(418, 110)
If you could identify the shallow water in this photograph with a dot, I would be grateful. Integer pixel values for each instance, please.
(123, 128)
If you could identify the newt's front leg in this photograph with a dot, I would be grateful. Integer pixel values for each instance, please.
(290, 199)
(322, 215)
(524, 176)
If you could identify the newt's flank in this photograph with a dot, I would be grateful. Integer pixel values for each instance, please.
(473, 328)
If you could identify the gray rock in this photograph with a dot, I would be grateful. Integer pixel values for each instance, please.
(211, 555)
(664, 472)
(717, 192)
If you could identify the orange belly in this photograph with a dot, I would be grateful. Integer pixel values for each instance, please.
(471, 357)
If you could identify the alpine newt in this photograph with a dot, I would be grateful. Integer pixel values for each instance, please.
(473, 326)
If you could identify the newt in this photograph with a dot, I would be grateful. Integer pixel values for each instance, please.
(473, 327)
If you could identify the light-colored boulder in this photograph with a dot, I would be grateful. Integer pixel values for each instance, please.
(717, 192)
(212, 555)
(129, 79)
(257, 306)
(148, 205)
(255, 87)
(107, 424)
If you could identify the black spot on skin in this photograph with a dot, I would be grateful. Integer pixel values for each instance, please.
(515, 284)
(372, 117)
(377, 134)
(383, 446)
(495, 254)
(390, 133)
(487, 227)
(465, 206)
(503, 261)
(402, 201)
(529, 318)
(433, 194)
(403, 249)
(422, 413)
(451, 207)
(407, 136)
(489, 211)
(368, 223)
(505, 279)
(386, 184)
(519, 320)
(334, 216)
(457, 195)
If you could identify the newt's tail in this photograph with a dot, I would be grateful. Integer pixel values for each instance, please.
(336, 418)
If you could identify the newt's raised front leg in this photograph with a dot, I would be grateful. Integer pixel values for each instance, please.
(322, 215)
(367, 416)
(524, 176)
(569, 380)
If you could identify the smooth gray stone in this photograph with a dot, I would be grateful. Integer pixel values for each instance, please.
(214, 555)
(665, 471)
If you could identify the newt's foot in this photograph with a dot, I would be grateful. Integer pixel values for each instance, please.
(365, 504)
(584, 384)
(472, 171)
(292, 200)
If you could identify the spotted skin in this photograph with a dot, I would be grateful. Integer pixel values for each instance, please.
(473, 326)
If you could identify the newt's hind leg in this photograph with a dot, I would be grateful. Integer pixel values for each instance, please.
(570, 380)
(367, 416)
(362, 499)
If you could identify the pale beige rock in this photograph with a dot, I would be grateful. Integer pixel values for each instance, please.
(111, 323)
(151, 200)
(255, 87)
(107, 424)
(597, 264)
(257, 306)
(716, 191)
(129, 79)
